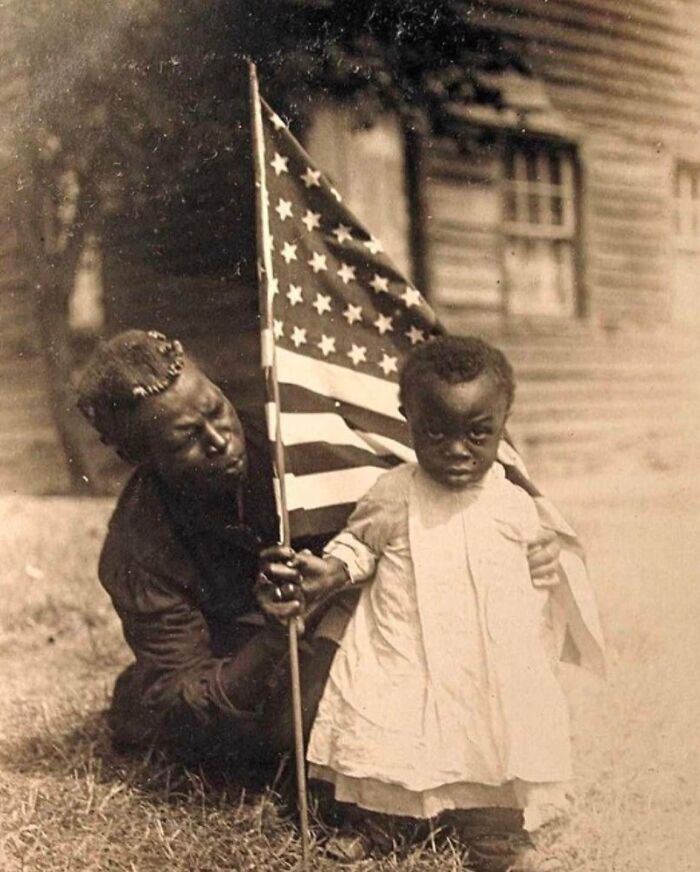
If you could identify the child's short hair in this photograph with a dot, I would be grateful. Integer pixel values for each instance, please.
(455, 359)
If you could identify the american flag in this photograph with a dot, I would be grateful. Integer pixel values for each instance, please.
(338, 317)
(341, 318)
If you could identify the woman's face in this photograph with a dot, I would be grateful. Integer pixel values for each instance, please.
(456, 428)
(192, 435)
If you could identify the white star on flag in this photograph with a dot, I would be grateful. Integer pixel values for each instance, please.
(384, 324)
(278, 329)
(352, 314)
(415, 334)
(277, 122)
(327, 345)
(279, 164)
(336, 195)
(358, 354)
(294, 295)
(374, 245)
(299, 336)
(380, 283)
(346, 273)
(273, 286)
(312, 220)
(318, 262)
(289, 252)
(322, 303)
(342, 233)
(284, 209)
(312, 178)
(388, 364)
(411, 297)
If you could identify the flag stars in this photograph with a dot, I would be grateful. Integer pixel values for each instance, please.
(277, 121)
(273, 286)
(342, 233)
(358, 354)
(388, 364)
(336, 195)
(384, 324)
(327, 345)
(415, 335)
(311, 178)
(299, 336)
(374, 245)
(411, 297)
(322, 303)
(352, 314)
(294, 295)
(289, 252)
(284, 209)
(279, 164)
(312, 220)
(346, 273)
(277, 329)
(380, 283)
(318, 262)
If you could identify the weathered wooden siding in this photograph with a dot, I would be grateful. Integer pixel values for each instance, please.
(625, 76)
(625, 65)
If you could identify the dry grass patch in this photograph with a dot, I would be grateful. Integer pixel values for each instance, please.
(68, 802)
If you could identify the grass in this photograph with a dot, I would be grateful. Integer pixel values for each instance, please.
(68, 802)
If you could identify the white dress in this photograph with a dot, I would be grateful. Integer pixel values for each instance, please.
(442, 694)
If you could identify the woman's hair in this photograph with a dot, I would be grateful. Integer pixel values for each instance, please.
(455, 359)
(123, 371)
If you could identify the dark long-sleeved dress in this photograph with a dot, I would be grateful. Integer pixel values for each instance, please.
(206, 668)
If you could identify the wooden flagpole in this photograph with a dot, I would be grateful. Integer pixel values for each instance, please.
(269, 363)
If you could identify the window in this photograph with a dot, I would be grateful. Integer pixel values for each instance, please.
(685, 305)
(687, 207)
(539, 224)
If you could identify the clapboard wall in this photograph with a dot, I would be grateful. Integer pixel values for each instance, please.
(625, 75)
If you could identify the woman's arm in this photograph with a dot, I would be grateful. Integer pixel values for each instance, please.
(177, 684)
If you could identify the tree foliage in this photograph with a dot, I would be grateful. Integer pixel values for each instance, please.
(139, 108)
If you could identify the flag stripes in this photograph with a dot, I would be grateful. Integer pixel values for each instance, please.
(339, 382)
(305, 400)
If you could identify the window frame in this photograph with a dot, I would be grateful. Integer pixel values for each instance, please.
(690, 217)
(568, 231)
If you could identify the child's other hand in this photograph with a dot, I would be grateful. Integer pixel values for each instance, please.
(543, 559)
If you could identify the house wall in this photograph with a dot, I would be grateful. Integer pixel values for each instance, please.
(621, 83)
(625, 77)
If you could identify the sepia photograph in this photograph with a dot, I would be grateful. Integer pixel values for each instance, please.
(349, 454)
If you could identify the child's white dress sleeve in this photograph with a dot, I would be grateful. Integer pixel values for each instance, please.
(369, 527)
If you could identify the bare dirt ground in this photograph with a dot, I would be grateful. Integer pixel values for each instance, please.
(67, 802)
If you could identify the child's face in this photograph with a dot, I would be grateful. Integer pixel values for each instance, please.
(456, 428)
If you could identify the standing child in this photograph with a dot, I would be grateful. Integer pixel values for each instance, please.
(442, 695)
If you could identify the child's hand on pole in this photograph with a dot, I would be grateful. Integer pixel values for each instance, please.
(320, 576)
